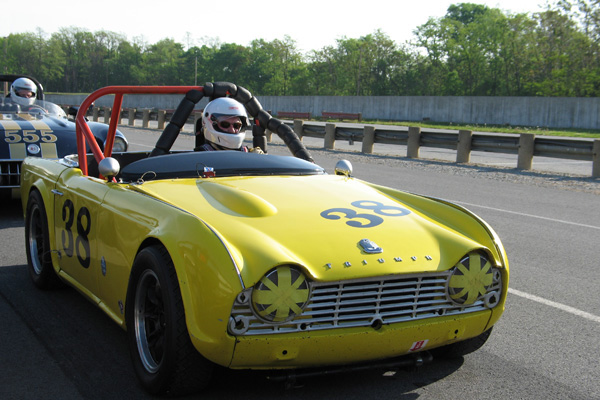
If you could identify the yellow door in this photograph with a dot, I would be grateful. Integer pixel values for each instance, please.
(77, 202)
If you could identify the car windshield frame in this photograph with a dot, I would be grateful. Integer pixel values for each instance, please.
(40, 107)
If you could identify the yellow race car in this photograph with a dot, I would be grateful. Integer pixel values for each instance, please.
(256, 261)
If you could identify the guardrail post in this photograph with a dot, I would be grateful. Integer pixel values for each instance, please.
(107, 111)
(596, 159)
(299, 128)
(414, 142)
(131, 115)
(145, 118)
(268, 135)
(162, 114)
(368, 139)
(463, 154)
(330, 136)
(95, 112)
(526, 148)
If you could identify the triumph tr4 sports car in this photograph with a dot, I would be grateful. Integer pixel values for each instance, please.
(38, 130)
(256, 261)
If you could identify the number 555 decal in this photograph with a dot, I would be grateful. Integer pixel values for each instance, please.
(363, 219)
(79, 244)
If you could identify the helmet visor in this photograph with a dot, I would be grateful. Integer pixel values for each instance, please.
(24, 92)
(225, 125)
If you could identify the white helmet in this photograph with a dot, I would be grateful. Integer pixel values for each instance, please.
(23, 84)
(217, 109)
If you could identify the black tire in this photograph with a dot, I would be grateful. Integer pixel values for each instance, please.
(460, 349)
(162, 353)
(37, 243)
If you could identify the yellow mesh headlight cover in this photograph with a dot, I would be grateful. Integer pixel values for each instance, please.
(471, 278)
(280, 294)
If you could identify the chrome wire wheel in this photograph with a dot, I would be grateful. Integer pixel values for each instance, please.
(149, 320)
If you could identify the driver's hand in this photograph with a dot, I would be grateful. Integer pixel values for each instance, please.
(256, 150)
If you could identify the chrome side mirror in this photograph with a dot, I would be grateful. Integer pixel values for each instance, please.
(109, 167)
(343, 167)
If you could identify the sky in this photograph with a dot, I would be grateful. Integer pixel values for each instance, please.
(312, 24)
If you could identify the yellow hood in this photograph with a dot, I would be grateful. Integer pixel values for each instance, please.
(318, 222)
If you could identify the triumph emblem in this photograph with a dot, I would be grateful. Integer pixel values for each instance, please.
(370, 247)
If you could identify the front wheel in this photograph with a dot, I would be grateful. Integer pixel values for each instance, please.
(37, 241)
(163, 356)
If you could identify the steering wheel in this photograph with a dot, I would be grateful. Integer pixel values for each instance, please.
(262, 119)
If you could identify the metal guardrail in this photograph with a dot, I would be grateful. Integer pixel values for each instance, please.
(525, 145)
(145, 114)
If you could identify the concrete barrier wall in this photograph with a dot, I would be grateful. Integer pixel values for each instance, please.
(550, 112)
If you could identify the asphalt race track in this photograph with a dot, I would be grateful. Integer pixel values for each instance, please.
(57, 345)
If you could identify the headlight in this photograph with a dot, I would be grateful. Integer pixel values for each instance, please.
(120, 145)
(472, 278)
(281, 294)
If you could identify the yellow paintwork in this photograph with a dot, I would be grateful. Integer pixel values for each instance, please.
(348, 346)
(224, 234)
(293, 234)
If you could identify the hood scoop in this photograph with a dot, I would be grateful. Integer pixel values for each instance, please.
(235, 201)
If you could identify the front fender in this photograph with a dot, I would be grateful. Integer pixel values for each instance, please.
(454, 217)
(461, 220)
(207, 276)
(40, 174)
(209, 281)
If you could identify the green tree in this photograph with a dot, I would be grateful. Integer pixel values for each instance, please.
(433, 67)
(229, 63)
(205, 56)
(472, 50)
(323, 75)
(389, 66)
(513, 61)
(32, 54)
(75, 45)
(586, 13)
(164, 62)
(275, 67)
(125, 66)
(561, 64)
(369, 65)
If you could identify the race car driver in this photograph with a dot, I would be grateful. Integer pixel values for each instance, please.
(23, 92)
(224, 123)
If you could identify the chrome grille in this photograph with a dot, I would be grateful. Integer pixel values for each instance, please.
(10, 173)
(365, 302)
